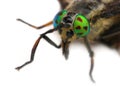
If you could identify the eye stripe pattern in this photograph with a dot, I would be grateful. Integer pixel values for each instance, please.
(81, 26)
(79, 19)
(78, 27)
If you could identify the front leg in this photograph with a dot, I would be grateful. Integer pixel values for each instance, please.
(91, 53)
(39, 27)
(36, 44)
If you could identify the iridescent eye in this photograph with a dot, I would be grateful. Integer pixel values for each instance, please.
(81, 25)
(58, 18)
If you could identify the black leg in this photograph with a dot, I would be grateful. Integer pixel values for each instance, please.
(35, 46)
(51, 42)
(42, 26)
(91, 53)
(32, 54)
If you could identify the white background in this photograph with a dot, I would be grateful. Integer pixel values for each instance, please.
(49, 67)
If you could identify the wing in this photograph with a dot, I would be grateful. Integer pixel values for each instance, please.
(111, 37)
(64, 3)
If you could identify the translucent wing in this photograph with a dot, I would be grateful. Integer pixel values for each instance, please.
(111, 37)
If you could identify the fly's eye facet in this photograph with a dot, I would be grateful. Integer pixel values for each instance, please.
(58, 18)
(81, 25)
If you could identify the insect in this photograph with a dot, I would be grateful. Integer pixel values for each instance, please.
(90, 21)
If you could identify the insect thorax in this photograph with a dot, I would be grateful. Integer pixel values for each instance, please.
(98, 13)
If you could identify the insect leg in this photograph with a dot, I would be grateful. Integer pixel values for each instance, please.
(91, 53)
(35, 46)
(50, 41)
(39, 27)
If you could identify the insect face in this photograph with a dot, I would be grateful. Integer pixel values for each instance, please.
(74, 25)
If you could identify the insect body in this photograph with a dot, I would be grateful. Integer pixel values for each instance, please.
(89, 20)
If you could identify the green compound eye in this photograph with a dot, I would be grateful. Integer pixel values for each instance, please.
(58, 18)
(81, 26)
